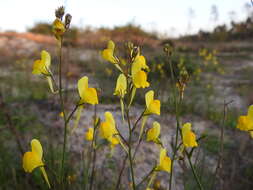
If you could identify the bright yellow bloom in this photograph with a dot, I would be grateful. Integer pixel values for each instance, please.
(121, 86)
(138, 74)
(165, 161)
(245, 122)
(42, 65)
(152, 106)
(88, 95)
(89, 134)
(33, 159)
(189, 138)
(154, 132)
(108, 53)
(108, 129)
(58, 28)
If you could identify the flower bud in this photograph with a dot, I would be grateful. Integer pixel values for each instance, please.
(60, 12)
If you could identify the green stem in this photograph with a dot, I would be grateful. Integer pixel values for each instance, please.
(64, 115)
(130, 149)
(194, 172)
(146, 177)
(93, 147)
(177, 104)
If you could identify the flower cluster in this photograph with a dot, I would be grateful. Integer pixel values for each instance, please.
(133, 76)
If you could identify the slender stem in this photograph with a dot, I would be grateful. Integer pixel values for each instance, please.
(219, 163)
(130, 149)
(146, 177)
(137, 121)
(121, 172)
(64, 114)
(124, 162)
(178, 123)
(194, 172)
(93, 144)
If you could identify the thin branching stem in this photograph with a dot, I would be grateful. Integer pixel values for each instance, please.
(146, 177)
(220, 159)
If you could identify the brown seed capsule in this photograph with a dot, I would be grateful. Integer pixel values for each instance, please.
(68, 18)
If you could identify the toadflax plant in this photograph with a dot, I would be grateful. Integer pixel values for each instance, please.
(132, 77)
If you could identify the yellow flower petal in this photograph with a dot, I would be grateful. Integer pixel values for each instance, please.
(82, 85)
(42, 66)
(114, 142)
(138, 64)
(165, 161)
(88, 95)
(244, 123)
(58, 28)
(154, 132)
(111, 45)
(140, 79)
(46, 58)
(109, 118)
(149, 97)
(186, 127)
(31, 161)
(108, 53)
(37, 148)
(105, 131)
(189, 138)
(152, 106)
(121, 86)
(108, 129)
(38, 67)
(89, 134)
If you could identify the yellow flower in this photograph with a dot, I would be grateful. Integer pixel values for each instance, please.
(89, 134)
(33, 159)
(42, 65)
(58, 28)
(154, 132)
(108, 53)
(139, 76)
(152, 106)
(245, 122)
(189, 138)
(165, 161)
(88, 95)
(121, 86)
(61, 114)
(108, 129)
